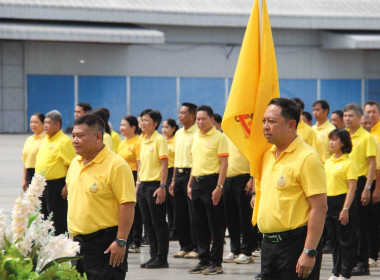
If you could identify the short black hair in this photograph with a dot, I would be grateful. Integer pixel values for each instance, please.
(85, 106)
(307, 115)
(206, 109)
(289, 108)
(371, 103)
(218, 118)
(344, 137)
(324, 105)
(40, 116)
(92, 121)
(108, 114)
(132, 120)
(173, 124)
(191, 107)
(339, 113)
(155, 115)
(102, 114)
(299, 103)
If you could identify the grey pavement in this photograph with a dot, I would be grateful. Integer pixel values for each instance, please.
(10, 187)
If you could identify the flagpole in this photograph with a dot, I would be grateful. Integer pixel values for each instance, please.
(260, 17)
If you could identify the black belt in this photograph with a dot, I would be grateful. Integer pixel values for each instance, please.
(86, 237)
(183, 170)
(278, 237)
(204, 177)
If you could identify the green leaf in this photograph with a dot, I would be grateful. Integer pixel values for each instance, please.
(60, 260)
(6, 241)
(33, 255)
(32, 218)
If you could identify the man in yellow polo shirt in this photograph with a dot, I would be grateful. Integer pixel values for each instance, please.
(210, 162)
(54, 157)
(293, 203)
(323, 126)
(182, 167)
(364, 154)
(102, 198)
(372, 108)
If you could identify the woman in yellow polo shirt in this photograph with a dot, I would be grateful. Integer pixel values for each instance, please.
(341, 175)
(31, 146)
(169, 128)
(129, 150)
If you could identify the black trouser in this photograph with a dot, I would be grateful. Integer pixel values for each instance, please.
(170, 204)
(29, 175)
(135, 235)
(154, 219)
(373, 227)
(52, 202)
(342, 237)
(184, 212)
(362, 235)
(279, 260)
(208, 220)
(238, 214)
(94, 262)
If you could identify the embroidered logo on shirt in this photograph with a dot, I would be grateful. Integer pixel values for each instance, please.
(281, 181)
(190, 139)
(338, 166)
(207, 145)
(51, 147)
(356, 143)
(94, 188)
(323, 135)
(151, 149)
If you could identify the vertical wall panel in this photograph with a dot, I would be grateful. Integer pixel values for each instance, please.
(109, 92)
(303, 89)
(51, 92)
(154, 93)
(338, 93)
(373, 90)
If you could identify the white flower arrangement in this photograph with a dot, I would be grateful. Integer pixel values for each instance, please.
(30, 238)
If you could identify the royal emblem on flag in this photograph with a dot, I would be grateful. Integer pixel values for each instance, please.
(246, 122)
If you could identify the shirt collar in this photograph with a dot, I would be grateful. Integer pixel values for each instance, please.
(342, 157)
(208, 133)
(301, 124)
(58, 134)
(290, 148)
(41, 135)
(376, 126)
(99, 157)
(324, 125)
(190, 129)
(358, 132)
(154, 136)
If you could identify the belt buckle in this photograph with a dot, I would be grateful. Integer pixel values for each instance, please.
(198, 178)
(275, 238)
(180, 170)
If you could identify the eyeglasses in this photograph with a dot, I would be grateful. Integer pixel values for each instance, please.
(145, 121)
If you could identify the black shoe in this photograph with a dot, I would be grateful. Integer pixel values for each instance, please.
(145, 243)
(213, 270)
(359, 271)
(143, 265)
(197, 269)
(257, 276)
(157, 264)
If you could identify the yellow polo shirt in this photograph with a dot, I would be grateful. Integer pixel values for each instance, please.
(31, 146)
(107, 140)
(286, 183)
(377, 156)
(129, 150)
(182, 147)
(375, 131)
(237, 163)
(152, 151)
(311, 138)
(96, 190)
(338, 172)
(206, 150)
(170, 143)
(55, 155)
(363, 147)
(115, 140)
(323, 132)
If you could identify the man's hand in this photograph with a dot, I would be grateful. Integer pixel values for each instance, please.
(305, 266)
(64, 192)
(343, 217)
(376, 196)
(189, 191)
(366, 195)
(160, 195)
(216, 194)
(249, 187)
(117, 254)
(253, 197)
(24, 186)
(171, 188)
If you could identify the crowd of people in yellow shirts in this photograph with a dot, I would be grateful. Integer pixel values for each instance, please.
(192, 183)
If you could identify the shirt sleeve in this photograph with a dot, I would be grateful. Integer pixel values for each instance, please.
(223, 147)
(371, 148)
(122, 184)
(67, 152)
(352, 172)
(313, 176)
(162, 148)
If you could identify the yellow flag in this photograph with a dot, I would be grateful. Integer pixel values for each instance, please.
(255, 83)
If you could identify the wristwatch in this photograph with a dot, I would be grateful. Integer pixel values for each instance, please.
(310, 252)
(368, 187)
(220, 186)
(121, 242)
(162, 185)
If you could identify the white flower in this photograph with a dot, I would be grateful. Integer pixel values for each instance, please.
(19, 219)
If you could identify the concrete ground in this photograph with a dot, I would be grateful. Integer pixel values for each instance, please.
(10, 187)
